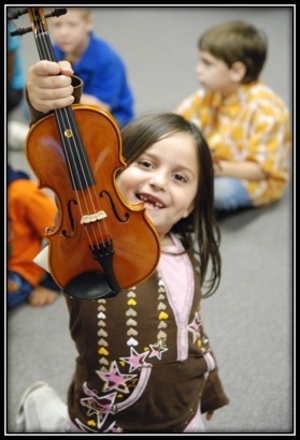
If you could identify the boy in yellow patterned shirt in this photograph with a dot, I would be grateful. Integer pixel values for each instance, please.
(246, 124)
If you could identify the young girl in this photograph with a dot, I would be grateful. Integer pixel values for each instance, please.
(144, 361)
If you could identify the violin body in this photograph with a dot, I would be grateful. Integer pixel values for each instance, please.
(80, 222)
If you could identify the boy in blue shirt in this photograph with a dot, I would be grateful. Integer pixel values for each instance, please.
(95, 62)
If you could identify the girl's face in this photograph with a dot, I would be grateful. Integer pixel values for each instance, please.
(165, 177)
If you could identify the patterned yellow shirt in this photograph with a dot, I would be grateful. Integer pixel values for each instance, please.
(252, 124)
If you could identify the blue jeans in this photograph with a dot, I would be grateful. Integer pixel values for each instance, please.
(20, 289)
(230, 194)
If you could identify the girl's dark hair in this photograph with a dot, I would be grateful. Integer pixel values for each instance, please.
(199, 231)
(237, 41)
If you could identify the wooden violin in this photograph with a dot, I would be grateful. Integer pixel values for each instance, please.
(100, 244)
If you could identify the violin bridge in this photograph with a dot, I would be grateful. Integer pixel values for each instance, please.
(92, 218)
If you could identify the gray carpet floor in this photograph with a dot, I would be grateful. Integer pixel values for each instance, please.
(250, 319)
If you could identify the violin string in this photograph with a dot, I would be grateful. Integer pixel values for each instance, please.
(76, 146)
(64, 119)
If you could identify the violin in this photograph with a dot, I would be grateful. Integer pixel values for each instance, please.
(100, 244)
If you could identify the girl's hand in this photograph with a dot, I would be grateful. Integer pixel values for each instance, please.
(49, 85)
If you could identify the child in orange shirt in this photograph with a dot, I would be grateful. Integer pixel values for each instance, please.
(30, 211)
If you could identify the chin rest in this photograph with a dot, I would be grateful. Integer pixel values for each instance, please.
(89, 285)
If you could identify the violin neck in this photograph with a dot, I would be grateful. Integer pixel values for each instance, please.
(78, 166)
(40, 32)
